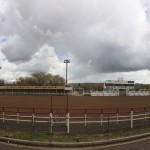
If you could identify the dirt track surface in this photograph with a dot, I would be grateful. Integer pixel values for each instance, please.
(74, 102)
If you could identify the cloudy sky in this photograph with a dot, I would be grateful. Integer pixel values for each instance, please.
(103, 39)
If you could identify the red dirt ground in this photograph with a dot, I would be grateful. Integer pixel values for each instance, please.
(74, 102)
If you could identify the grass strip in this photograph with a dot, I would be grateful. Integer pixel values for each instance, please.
(88, 137)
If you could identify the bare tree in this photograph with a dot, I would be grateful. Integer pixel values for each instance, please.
(57, 80)
(41, 79)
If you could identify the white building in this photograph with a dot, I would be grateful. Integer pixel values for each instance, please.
(120, 86)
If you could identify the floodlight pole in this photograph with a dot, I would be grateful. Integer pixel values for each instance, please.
(66, 62)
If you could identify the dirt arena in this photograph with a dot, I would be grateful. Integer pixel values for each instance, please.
(74, 102)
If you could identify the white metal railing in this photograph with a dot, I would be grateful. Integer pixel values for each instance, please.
(104, 93)
(69, 119)
(92, 93)
(138, 93)
(115, 93)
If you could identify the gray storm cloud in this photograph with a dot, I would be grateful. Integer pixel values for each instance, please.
(101, 36)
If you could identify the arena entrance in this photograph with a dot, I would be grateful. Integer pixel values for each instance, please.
(122, 92)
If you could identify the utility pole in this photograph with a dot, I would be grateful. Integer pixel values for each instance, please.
(66, 62)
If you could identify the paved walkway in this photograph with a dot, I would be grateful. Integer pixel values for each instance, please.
(142, 144)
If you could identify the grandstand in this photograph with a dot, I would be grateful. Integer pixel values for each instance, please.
(120, 86)
(69, 90)
(56, 90)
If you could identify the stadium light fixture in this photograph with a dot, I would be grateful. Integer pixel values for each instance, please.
(66, 62)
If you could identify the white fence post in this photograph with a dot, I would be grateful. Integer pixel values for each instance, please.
(101, 119)
(131, 118)
(85, 116)
(33, 119)
(17, 118)
(3, 116)
(117, 115)
(51, 122)
(85, 119)
(68, 122)
(145, 115)
(101, 116)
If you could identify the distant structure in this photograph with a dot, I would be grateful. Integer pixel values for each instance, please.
(2, 82)
(66, 62)
(52, 90)
(120, 86)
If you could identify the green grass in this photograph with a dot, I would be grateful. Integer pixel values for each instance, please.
(24, 135)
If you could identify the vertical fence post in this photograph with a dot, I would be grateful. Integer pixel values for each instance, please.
(145, 116)
(85, 117)
(117, 116)
(33, 117)
(101, 116)
(3, 115)
(67, 104)
(131, 118)
(51, 122)
(17, 116)
(33, 124)
(108, 128)
(68, 122)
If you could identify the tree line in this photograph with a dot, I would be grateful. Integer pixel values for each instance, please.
(45, 79)
(41, 79)
(48, 79)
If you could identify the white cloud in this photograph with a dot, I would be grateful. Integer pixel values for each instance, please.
(102, 38)
(44, 60)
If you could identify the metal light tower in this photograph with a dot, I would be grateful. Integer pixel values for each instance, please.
(66, 62)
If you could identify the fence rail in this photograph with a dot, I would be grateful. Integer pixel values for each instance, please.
(116, 93)
(72, 120)
(75, 93)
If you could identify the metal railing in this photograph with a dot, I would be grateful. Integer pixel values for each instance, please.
(138, 93)
(73, 120)
(115, 93)
(33, 93)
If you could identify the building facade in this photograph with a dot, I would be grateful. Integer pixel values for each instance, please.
(53, 90)
(120, 86)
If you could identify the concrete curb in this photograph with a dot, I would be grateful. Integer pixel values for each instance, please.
(75, 144)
